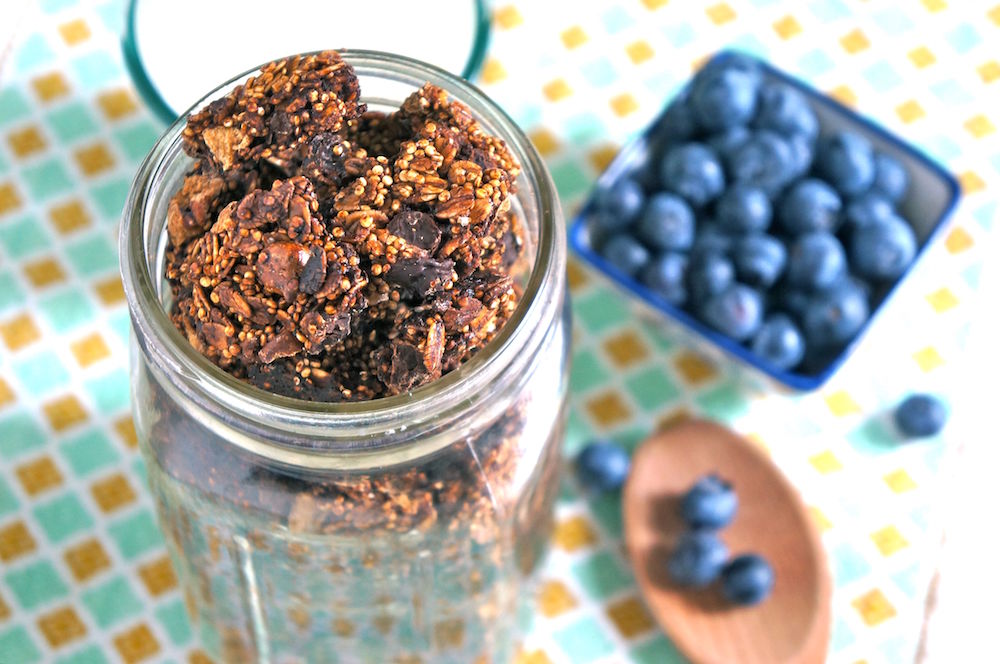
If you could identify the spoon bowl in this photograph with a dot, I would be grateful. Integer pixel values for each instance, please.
(792, 625)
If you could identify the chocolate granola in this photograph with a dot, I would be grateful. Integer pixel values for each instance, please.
(322, 251)
(328, 253)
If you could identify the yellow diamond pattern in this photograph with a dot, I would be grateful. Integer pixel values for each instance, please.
(720, 13)
(873, 607)
(787, 27)
(921, 57)
(899, 481)
(979, 126)
(989, 71)
(928, 359)
(841, 403)
(942, 300)
(888, 540)
(825, 462)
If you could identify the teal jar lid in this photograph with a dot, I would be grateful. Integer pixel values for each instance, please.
(177, 50)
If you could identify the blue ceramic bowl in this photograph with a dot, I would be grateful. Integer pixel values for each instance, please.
(932, 195)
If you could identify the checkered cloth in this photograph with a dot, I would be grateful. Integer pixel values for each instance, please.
(84, 577)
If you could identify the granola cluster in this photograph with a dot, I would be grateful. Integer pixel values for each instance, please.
(321, 251)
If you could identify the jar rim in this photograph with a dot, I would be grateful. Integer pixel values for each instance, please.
(181, 360)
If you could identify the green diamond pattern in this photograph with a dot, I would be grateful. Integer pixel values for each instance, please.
(584, 641)
(22, 434)
(35, 584)
(601, 575)
(136, 534)
(111, 602)
(72, 121)
(63, 517)
(89, 452)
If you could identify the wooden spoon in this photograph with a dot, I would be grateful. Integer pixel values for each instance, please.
(792, 626)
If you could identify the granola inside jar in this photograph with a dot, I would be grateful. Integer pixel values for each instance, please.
(351, 428)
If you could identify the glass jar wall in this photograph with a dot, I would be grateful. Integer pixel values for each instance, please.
(400, 529)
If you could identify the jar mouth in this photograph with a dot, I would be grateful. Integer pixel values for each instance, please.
(141, 249)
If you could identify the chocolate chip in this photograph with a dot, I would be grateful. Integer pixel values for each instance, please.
(421, 276)
(418, 229)
(401, 366)
(314, 271)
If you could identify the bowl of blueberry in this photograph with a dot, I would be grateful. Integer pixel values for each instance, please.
(764, 218)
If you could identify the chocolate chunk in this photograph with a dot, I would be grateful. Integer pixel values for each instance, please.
(417, 229)
(401, 367)
(421, 276)
(324, 160)
(278, 267)
(314, 271)
(192, 208)
(322, 330)
(283, 345)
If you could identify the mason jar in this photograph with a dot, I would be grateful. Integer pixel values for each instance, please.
(402, 529)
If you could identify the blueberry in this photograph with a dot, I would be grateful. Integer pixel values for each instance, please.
(779, 342)
(759, 259)
(803, 151)
(625, 253)
(709, 503)
(709, 274)
(846, 161)
(834, 316)
(747, 579)
(711, 239)
(736, 62)
(666, 223)
(882, 251)
(742, 209)
(809, 205)
(678, 122)
(697, 559)
(736, 311)
(792, 300)
(723, 97)
(764, 160)
(603, 465)
(868, 208)
(693, 171)
(664, 276)
(784, 110)
(725, 142)
(602, 226)
(920, 416)
(622, 199)
(815, 261)
(891, 179)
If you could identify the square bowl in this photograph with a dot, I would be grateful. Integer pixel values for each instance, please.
(929, 201)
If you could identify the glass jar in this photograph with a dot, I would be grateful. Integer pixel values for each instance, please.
(404, 529)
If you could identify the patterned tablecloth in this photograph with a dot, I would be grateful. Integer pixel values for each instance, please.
(84, 577)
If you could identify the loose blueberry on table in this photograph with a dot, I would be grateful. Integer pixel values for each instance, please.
(603, 465)
(921, 415)
(749, 219)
